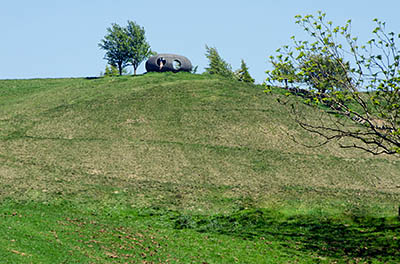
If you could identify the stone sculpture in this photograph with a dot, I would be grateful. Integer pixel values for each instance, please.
(168, 62)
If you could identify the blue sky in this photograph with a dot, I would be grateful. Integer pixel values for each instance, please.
(51, 39)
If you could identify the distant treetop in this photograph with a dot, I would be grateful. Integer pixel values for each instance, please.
(125, 46)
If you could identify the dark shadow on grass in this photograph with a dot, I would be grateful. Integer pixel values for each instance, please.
(357, 238)
(21, 134)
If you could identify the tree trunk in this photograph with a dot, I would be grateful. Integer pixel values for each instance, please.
(120, 68)
(134, 70)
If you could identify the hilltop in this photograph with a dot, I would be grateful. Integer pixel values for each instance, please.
(181, 168)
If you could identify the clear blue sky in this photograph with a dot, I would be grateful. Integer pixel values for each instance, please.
(48, 38)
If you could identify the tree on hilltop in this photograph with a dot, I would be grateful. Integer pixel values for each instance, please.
(323, 73)
(243, 74)
(216, 64)
(125, 46)
(116, 44)
(355, 87)
(140, 48)
(283, 72)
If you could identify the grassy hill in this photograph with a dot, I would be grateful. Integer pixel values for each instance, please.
(172, 152)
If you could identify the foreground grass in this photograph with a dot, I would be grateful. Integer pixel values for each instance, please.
(64, 233)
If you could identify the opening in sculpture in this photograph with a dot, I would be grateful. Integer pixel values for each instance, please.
(168, 62)
(176, 64)
(161, 62)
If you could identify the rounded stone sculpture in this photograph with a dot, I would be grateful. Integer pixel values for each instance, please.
(168, 62)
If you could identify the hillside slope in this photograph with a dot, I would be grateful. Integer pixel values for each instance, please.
(179, 141)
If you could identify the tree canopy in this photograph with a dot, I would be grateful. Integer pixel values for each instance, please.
(243, 74)
(139, 47)
(323, 73)
(117, 46)
(125, 46)
(216, 64)
(356, 85)
(283, 72)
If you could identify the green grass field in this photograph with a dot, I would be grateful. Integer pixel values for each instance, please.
(182, 168)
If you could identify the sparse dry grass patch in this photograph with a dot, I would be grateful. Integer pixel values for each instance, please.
(180, 141)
